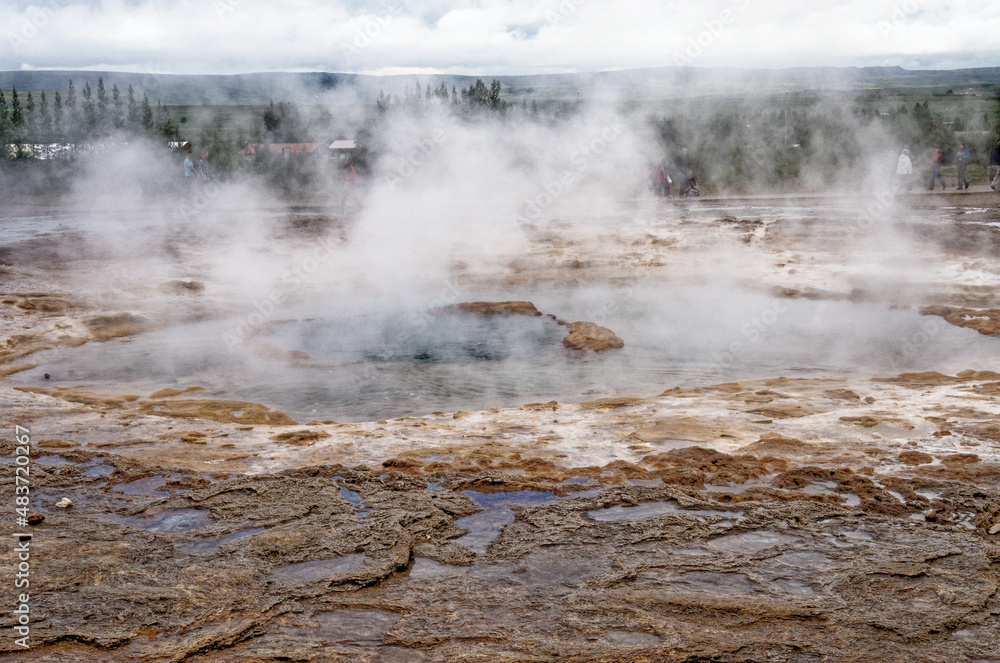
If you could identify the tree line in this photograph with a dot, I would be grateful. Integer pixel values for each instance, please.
(73, 118)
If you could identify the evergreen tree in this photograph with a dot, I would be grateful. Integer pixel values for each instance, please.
(147, 114)
(134, 118)
(101, 120)
(89, 112)
(43, 123)
(57, 113)
(71, 98)
(16, 116)
(117, 118)
(29, 116)
(3, 123)
(71, 126)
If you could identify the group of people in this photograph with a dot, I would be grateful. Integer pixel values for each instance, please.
(683, 176)
(194, 173)
(904, 168)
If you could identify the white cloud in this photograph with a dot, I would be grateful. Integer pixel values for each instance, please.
(494, 36)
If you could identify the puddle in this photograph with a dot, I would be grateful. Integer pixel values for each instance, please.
(554, 569)
(98, 470)
(484, 527)
(519, 497)
(633, 638)
(820, 488)
(355, 501)
(646, 482)
(146, 486)
(424, 568)
(204, 546)
(751, 542)
(52, 460)
(169, 522)
(652, 509)
(438, 458)
(578, 481)
(356, 626)
(312, 571)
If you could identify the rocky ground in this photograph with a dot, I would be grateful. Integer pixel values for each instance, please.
(782, 519)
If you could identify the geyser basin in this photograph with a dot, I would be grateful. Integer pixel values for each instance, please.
(376, 366)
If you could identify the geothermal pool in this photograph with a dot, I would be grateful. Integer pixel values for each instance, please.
(365, 367)
(333, 355)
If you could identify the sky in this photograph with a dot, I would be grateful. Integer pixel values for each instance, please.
(492, 36)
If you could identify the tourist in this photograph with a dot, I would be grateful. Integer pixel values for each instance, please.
(962, 158)
(936, 162)
(189, 171)
(993, 172)
(204, 172)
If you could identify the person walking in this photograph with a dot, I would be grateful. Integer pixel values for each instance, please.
(936, 162)
(962, 159)
(204, 170)
(993, 172)
(904, 170)
(190, 174)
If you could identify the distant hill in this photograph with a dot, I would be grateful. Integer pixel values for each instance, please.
(244, 89)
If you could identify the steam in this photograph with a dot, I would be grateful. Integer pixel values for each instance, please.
(456, 206)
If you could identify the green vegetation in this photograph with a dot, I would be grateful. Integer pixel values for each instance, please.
(754, 141)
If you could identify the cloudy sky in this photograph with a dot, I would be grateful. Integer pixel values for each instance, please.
(492, 36)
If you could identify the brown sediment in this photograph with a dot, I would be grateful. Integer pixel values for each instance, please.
(169, 392)
(223, 411)
(300, 438)
(985, 321)
(116, 325)
(915, 458)
(40, 303)
(495, 308)
(85, 397)
(582, 335)
(11, 370)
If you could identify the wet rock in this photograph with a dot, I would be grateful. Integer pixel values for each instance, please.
(496, 308)
(984, 321)
(36, 519)
(915, 458)
(590, 336)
